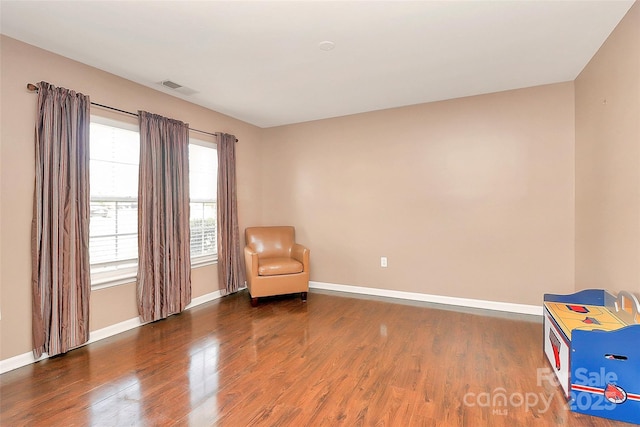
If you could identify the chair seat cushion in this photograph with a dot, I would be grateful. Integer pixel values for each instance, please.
(277, 266)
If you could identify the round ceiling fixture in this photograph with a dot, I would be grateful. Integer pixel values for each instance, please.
(326, 45)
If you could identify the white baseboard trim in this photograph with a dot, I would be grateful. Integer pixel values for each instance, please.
(19, 361)
(205, 298)
(27, 358)
(439, 299)
(112, 330)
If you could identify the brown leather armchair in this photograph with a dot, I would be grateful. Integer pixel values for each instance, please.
(275, 263)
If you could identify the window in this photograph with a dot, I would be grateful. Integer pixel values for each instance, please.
(203, 175)
(113, 222)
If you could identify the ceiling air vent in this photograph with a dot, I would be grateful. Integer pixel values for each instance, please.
(177, 87)
(170, 84)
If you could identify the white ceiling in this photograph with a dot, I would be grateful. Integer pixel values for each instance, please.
(260, 61)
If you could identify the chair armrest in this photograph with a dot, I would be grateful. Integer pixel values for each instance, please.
(251, 261)
(300, 254)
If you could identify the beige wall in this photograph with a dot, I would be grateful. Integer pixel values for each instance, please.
(22, 64)
(468, 198)
(608, 162)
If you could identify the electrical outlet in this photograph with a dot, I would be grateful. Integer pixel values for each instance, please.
(383, 261)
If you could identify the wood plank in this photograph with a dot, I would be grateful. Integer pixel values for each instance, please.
(335, 360)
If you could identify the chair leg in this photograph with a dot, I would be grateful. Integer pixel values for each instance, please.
(303, 295)
(254, 302)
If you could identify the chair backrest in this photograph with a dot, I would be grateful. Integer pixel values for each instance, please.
(271, 241)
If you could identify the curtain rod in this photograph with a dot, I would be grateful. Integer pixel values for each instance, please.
(33, 88)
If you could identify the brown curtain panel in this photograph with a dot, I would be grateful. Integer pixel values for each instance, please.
(230, 261)
(164, 259)
(61, 278)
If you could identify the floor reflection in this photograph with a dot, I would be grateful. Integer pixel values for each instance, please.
(204, 382)
(117, 404)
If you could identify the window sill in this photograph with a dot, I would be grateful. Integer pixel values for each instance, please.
(204, 261)
(130, 277)
(113, 281)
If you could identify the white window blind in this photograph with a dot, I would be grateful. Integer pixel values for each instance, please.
(113, 225)
(203, 174)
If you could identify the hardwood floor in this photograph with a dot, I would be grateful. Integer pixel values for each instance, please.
(334, 360)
